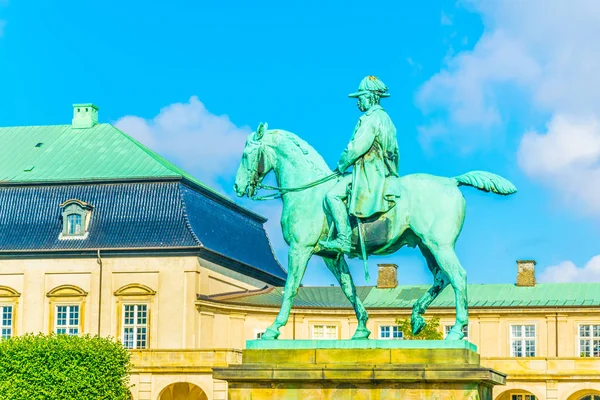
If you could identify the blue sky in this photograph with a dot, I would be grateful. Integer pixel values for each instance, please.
(501, 86)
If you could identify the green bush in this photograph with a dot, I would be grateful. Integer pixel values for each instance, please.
(60, 367)
(431, 330)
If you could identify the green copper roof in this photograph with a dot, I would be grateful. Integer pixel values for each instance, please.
(480, 295)
(61, 153)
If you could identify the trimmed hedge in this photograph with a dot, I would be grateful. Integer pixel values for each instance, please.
(59, 367)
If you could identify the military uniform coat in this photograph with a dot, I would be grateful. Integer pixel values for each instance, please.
(373, 150)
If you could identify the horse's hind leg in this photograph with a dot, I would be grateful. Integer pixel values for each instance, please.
(450, 265)
(440, 281)
(298, 257)
(340, 269)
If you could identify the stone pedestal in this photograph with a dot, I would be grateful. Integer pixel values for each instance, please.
(364, 369)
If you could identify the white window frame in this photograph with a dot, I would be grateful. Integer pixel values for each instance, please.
(522, 396)
(258, 333)
(70, 327)
(393, 330)
(523, 339)
(6, 326)
(325, 327)
(465, 331)
(593, 339)
(74, 226)
(136, 327)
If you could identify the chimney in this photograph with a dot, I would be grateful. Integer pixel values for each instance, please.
(84, 116)
(387, 277)
(526, 273)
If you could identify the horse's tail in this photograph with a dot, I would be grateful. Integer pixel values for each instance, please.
(487, 182)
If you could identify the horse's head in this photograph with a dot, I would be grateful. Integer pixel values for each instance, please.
(255, 164)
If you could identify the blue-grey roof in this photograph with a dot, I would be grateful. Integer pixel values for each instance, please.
(141, 215)
(228, 232)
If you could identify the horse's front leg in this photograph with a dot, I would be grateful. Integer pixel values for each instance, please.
(298, 257)
(340, 270)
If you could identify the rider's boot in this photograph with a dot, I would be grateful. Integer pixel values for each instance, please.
(342, 243)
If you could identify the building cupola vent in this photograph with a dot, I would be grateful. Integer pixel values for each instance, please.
(84, 116)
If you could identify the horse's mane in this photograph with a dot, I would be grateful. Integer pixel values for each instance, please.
(310, 154)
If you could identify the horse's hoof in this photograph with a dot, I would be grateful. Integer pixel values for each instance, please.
(270, 334)
(418, 323)
(453, 335)
(361, 334)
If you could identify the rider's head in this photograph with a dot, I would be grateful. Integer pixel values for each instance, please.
(370, 91)
(367, 100)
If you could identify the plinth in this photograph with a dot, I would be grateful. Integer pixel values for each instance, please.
(359, 369)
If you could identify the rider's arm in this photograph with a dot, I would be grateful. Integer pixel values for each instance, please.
(359, 145)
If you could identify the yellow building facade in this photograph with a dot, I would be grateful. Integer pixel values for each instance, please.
(198, 315)
(129, 246)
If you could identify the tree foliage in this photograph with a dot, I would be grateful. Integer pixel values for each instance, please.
(431, 331)
(58, 367)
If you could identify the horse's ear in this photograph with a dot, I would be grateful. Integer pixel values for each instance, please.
(260, 131)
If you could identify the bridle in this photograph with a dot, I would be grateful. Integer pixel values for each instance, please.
(255, 185)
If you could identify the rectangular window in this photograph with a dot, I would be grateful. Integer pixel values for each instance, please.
(465, 331)
(135, 326)
(74, 224)
(327, 332)
(258, 333)
(388, 332)
(522, 397)
(522, 341)
(67, 320)
(589, 340)
(6, 319)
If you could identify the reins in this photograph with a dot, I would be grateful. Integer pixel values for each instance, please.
(280, 191)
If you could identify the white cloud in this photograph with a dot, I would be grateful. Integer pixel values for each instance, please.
(567, 158)
(548, 49)
(567, 271)
(465, 89)
(207, 145)
(547, 53)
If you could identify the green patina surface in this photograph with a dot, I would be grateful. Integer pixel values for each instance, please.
(101, 152)
(389, 211)
(358, 344)
(480, 295)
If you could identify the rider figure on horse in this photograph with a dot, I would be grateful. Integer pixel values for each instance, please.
(373, 151)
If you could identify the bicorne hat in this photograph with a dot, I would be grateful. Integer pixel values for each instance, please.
(371, 84)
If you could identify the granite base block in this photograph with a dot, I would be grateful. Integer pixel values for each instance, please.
(360, 370)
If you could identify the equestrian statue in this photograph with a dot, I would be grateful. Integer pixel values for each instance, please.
(371, 211)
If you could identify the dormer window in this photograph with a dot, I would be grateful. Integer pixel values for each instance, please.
(76, 215)
(74, 224)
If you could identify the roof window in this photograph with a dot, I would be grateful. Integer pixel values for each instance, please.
(76, 216)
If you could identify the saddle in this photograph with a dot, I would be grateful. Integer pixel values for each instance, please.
(375, 229)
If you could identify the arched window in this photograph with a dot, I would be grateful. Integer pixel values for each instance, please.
(67, 308)
(591, 397)
(182, 391)
(522, 397)
(74, 224)
(76, 216)
(8, 306)
(134, 305)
